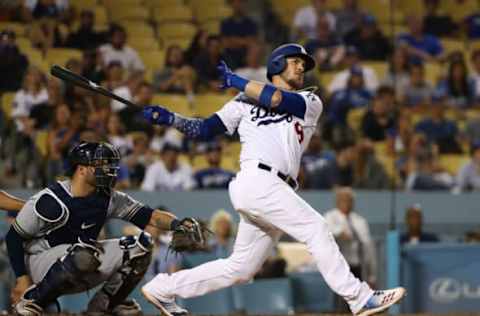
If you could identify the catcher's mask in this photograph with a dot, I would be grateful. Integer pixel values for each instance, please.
(102, 156)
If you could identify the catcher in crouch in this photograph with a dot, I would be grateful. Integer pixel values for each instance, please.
(53, 245)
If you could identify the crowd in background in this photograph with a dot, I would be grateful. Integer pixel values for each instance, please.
(413, 119)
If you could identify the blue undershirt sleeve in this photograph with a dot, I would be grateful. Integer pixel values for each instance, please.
(16, 252)
(200, 129)
(292, 103)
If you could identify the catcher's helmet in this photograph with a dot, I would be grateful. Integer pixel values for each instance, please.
(277, 62)
(103, 156)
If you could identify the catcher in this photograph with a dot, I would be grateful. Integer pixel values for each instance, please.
(53, 245)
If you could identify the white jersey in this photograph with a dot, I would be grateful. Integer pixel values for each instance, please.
(275, 139)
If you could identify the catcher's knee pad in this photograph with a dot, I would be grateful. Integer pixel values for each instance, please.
(82, 258)
(137, 254)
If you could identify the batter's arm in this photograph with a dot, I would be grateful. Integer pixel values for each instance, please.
(10, 203)
(267, 95)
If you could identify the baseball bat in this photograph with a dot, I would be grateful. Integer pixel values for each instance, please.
(75, 79)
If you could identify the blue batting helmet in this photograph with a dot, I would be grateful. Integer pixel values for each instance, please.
(277, 62)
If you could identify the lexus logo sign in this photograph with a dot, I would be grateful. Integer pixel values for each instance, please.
(448, 290)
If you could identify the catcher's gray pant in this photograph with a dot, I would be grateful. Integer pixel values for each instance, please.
(111, 261)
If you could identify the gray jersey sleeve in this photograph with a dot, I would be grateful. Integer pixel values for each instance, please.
(123, 206)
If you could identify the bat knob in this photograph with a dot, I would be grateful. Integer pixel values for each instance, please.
(155, 115)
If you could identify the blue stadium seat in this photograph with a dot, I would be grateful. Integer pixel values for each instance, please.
(311, 293)
(269, 296)
(216, 303)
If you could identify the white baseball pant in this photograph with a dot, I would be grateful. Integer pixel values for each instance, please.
(268, 207)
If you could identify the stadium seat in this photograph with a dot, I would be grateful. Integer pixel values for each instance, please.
(174, 102)
(151, 4)
(207, 104)
(137, 28)
(452, 163)
(433, 72)
(451, 45)
(183, 43)
(122, 3)
(131, 13)
(154, 60)
(379, 67)
(176, 30)
(382, 11)
(409, 7)
(212, 13)
(215, 303)
(354, 119)
(458, 10)
(310, 293)
(101, 18)
(232, 149)
(41, 141)
(266, 296)
(18, 28)
(60, 56)
(211, 26)
(83, 4)
(7, 99)
(143, 44)
(173, 14)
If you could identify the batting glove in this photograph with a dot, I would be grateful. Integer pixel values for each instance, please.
(158, 115)
(230, 79)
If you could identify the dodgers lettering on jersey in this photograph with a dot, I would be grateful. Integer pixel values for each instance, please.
(276, 139)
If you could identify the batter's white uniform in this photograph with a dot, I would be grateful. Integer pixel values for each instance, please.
(268, 207)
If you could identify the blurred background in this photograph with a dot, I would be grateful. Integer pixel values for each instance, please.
(397, 148)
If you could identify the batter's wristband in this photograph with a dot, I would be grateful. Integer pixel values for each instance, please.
(239, 82)
(174, 224)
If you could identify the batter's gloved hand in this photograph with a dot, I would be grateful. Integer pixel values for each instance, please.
(158, 115)
(229, 78)
(190, 235)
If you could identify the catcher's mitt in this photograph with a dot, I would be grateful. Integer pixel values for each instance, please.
(190, 235)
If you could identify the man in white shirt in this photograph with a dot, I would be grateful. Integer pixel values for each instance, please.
(119, 51)
(353, 235)
(168, 174)
(352, 59)
(305, 20)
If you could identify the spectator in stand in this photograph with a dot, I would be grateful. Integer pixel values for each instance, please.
(458, 88)
(468, 177)
(313, 159)
(397, 75)
(471, 25)
(420, 46)
(381, 116)
(127, 90)
(338, 172)
(439, 130)
(13, 64)
(132, 116)
(213, 177)
(62, 135)
(113, 76)
(475, 74)
(138, 160)
(176, 76)
(369, 40)
(400, 136)
(352, 234)
(416, 93)
(163, 135)
(206, 64)
(423, 176)
(306, 20)
(254, 68)
(437, 24)
(117, 50)
(92, 66)
(198, 46)
(471, 133)
(85, 37)
(349, 17)
(326, 47)
(116, 134)
(168, 174)
(414, 223)
(355, 95)
(57, 9)
(369, 173)
(237, 32)
(223, 228)
(352, 61)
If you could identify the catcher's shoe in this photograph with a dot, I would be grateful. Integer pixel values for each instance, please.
(27, 305)
(381, 301)
(129, 307)
(166, 305)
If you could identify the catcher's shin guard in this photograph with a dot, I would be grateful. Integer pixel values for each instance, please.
(137, 255)
(65, 274)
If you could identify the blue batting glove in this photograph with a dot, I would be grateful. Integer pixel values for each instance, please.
(158, 115)
(230, 79)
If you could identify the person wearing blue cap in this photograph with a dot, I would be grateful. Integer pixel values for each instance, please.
(213, 176)
(468, 178)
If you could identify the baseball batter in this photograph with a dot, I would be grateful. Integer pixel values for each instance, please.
(275, 123)
(53, 245)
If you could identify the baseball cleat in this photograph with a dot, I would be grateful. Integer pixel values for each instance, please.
(166, 305)
(381, 301)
